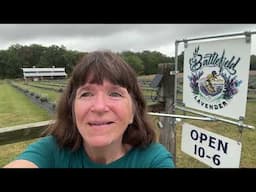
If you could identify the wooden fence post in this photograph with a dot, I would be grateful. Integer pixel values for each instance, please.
(168, 132)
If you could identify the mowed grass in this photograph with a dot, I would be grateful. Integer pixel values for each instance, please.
(10, 151)
(16, 108)
(53, 96)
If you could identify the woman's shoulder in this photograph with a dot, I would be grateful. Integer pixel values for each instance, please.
(49, 141)
(45, 144)
(40, 152)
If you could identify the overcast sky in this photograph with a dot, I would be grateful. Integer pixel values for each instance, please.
(115, 37)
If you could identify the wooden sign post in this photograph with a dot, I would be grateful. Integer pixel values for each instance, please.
(167, 132)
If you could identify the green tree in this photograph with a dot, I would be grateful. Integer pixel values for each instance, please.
(14, 61)
(71, 59)
(151, 61)
(3, 64)
(135, 62)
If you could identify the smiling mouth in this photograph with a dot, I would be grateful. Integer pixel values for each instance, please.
(100, 123)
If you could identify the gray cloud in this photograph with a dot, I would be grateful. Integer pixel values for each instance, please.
(117, 37)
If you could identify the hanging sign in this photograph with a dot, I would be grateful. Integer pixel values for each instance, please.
(210, 148)
(216, 76)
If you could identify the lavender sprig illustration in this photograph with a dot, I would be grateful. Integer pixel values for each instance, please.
(230, 87)
(194, 81)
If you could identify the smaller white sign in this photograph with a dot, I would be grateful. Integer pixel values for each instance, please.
(210, 148)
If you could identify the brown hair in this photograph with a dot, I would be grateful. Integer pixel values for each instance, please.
(97, 66)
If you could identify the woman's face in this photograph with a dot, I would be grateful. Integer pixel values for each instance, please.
(102, 113)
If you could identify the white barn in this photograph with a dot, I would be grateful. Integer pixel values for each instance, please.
(43, 73)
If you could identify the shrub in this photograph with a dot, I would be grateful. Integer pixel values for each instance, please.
(37, 96)
(43, 98)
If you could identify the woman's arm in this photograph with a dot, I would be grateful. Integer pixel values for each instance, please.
(21, 164)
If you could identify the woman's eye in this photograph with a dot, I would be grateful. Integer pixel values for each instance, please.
(115, 94)
(85, 94)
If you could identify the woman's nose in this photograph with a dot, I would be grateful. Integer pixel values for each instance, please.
(100, 103)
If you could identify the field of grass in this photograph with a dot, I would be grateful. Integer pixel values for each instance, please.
(51, 95)
(16, 108)
(10, 151)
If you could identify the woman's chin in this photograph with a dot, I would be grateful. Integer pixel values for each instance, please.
(98, 142)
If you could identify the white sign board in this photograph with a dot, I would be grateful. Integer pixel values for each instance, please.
(212, 149)
(216, 76)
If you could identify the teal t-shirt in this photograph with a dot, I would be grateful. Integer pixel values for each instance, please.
(45, 153)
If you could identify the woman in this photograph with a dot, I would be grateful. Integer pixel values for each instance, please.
(101, 122)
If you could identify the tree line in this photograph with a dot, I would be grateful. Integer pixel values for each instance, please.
(18, 56)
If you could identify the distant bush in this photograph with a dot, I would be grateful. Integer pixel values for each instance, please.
(252, 86)
(37, 96)
(43, 98)
(54, 105)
